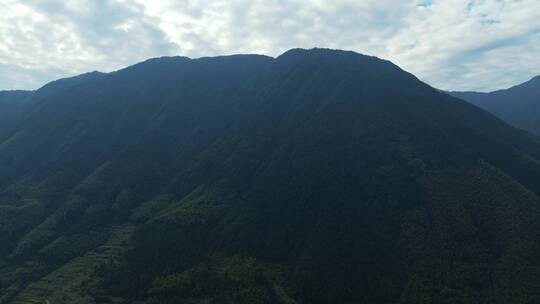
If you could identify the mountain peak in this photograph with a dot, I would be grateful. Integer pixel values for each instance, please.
(535, 79)
(322, 176)
(321, 53)
(531, 84)
(72, 81)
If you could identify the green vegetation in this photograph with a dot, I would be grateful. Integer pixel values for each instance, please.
(74, 282)
(316, 177)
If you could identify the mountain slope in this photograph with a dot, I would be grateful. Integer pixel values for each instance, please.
(319, 176)
(518, 106)
(12, 107)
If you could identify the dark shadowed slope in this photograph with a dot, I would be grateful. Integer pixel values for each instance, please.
(12, 107)
(518, 106)
(319, 176)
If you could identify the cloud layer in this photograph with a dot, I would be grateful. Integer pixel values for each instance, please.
(451, 44)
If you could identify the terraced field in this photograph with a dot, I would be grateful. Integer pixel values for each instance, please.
(67, 284)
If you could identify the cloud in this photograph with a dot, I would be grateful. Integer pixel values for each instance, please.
(451, 44)
(471, 45)
(62, 38)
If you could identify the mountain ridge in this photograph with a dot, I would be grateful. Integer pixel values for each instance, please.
(518, 105)
(319, 176)
(533, 81)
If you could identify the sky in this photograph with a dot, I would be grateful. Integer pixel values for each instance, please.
(480, 45)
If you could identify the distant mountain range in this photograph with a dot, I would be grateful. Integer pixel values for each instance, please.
(518, 105)
(319, 176)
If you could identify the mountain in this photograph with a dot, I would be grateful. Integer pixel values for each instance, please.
(519, 105)
(319, 176)
(12, 107)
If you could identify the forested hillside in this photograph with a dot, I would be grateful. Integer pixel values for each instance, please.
(319, 176)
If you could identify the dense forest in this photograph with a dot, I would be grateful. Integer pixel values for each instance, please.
(319, 176)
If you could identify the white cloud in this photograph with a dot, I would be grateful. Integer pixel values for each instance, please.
(61, 38)
(451, 44)
(469, 44)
